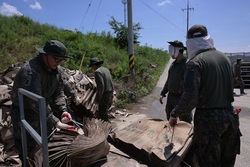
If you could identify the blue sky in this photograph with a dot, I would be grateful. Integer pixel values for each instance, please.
(228, 22)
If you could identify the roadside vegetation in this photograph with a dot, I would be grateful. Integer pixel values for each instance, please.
(20, 35)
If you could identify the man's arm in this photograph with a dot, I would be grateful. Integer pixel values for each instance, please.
(165, 89)
(189, 98)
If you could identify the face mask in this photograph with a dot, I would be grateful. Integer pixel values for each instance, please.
(196, 44)
(173, 51)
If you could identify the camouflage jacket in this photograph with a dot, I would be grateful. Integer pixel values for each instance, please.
(174, 83)
(34, 77)
(103, 81)
(208, 83)
(237, 70)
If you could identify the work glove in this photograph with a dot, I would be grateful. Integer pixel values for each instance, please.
(66, 117)
(161, 99)
(64, 126)
(172, 121)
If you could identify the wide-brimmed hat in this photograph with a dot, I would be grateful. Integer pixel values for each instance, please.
(196, 31)
(55, 48)
(178, 44)
(95, 61)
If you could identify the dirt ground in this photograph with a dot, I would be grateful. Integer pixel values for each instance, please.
(151, 107)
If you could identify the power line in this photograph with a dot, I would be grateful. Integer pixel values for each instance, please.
(173, 2)
(162, 16)
(85, 13)
(96, 14)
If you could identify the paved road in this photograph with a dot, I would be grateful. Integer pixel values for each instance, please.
(151, 107)
(243, 102)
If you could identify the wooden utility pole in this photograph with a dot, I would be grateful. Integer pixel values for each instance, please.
(188, 9)
(131, 40)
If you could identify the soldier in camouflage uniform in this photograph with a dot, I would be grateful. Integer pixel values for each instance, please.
(105, 88)
(174, 83)
(41, 76)
(208, 86)
(237, 76)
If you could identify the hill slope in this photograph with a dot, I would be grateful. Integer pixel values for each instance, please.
(20, 35)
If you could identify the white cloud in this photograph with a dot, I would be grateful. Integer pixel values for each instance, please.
(9, 10)
(164, 2)
(36, 6)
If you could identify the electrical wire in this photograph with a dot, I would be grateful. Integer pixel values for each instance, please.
(96, 14)
(174, 2)
(85, 14)
(185, 1)
(163, 17)
(179, 8)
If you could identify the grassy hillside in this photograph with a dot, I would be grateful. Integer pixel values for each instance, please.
(20, 35)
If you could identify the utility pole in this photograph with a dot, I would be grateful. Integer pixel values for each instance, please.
(188, 9)
(124, 2)
(131, 40)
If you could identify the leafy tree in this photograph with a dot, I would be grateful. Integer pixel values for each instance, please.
(121, 32)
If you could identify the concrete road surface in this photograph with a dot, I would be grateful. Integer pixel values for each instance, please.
(243, 102)
(151, 107)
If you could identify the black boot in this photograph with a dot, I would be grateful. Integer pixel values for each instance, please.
(243, 93)
(242, 90)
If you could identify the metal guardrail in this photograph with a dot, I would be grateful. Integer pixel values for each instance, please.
(245, 73)
(25, 126)
(245, 56)
(245, 66)
(238, 53)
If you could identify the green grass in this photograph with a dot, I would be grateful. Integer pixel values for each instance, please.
(20, 35)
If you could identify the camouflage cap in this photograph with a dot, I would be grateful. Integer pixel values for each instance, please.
(55, 48)
(178, 44)
(196, 31)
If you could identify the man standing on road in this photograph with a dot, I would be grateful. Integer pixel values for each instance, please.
(174, 83)
(208, 86)
(237, 76)
(41, 76)
(105, 88)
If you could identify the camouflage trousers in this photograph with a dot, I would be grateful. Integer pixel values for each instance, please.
(216, 137)
(172, 101)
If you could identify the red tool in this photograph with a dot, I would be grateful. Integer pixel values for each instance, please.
(237, 110)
